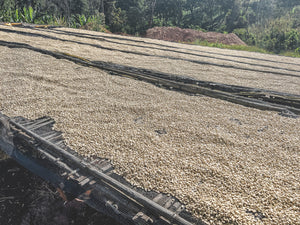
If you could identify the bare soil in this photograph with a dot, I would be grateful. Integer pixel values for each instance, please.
(177, 34)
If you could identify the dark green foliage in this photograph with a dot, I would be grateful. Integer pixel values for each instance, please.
(79, 7)
(135, 20)
(6, 10)
(275, 40)
(246, 36)
(270, 24)
(28, 15)
(169, 12)
(292, 39)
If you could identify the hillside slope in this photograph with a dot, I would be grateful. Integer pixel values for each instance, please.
(228, 163)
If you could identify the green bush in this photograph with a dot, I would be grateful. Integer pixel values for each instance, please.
(292, 40)
(17, 16)
(95, 22)
(274, 41)
(28, 15)
(246, 36)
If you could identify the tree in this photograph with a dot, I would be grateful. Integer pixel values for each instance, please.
(6, 10)
(150, 10)
(79, 7)
(235, 16)
(169, 12)
(115, 18)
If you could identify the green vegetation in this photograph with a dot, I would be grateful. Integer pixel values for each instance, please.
(268, 25)
(247, 48)
(234, 47)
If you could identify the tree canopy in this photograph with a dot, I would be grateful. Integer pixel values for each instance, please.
(273, 24)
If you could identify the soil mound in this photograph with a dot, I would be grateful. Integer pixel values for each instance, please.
(188, 35)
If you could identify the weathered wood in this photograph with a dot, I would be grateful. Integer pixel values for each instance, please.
(94, 172)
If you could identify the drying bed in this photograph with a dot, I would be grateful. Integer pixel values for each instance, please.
(226, 162)
(260, 71)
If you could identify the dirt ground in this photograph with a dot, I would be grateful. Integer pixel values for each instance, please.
(177, 34)
(26, 199)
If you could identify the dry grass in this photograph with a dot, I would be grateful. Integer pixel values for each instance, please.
(224, 161)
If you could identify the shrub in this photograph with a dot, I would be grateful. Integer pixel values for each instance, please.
(28, 15)
(245, 35)
(292, 40)
(274, 41)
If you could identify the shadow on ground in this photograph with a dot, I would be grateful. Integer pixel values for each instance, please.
(26, 199)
